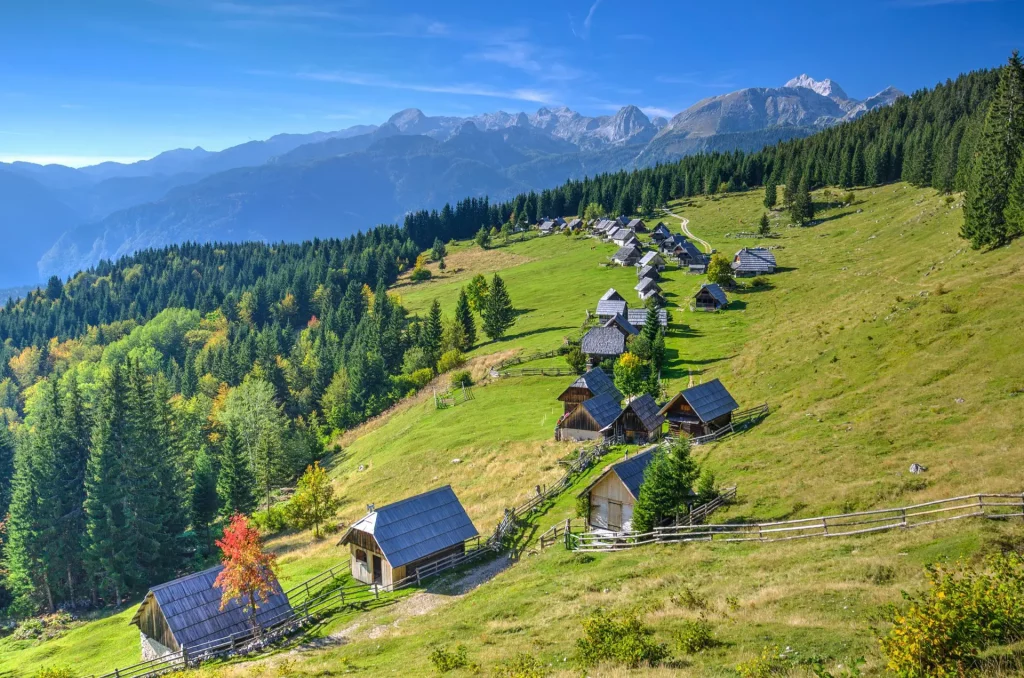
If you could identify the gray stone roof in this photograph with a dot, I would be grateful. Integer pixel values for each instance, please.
(598, 383)
(754, 260)
(611, 307)
(603, 341)
(638, 317)
(605, 409)
(620, 321)
(715, 291)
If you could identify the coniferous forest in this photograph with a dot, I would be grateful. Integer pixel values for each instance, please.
(144, 397)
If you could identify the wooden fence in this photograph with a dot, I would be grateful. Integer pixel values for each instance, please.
(520, 359)
(991, 506)
(539, 372)
(741, 421)
(452, 397)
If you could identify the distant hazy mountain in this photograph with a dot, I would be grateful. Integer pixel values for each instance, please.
(294, 186)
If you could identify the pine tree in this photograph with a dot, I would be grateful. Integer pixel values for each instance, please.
(430, 336)
(652, 325)
(464, 316)
(438, 251)
(770, 194)
(1015, 204)
(667, 487)
(764, 227)
(995, 162)
(498, 313)
(801, 208)
(203, 499)
(236, 481)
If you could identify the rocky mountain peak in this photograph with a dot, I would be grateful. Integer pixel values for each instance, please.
(410, 117)
(826, 87)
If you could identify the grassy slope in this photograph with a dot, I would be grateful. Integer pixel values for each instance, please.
(862, 372)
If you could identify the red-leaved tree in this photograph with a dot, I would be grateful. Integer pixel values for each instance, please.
(249, 573)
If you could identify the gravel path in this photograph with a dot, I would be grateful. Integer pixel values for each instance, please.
(686, 230)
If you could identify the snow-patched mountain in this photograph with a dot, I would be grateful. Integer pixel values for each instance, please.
(826, 88)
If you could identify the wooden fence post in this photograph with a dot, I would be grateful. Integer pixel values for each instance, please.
(184, 657)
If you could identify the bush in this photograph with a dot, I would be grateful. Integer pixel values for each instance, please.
(520, 666)
(420, 274)
(694, 637)
(583, 506)
(46, 627)
(575, 358)
(964, 610)
(274, 520)
(461, 378)
(624, 639)
(449, 360)
(445, 661)
(760, 281)
(421, 377)
(55, 672)
(880, 574)
(690, 600)
(764, 665)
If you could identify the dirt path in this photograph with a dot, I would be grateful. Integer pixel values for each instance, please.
(686, 230)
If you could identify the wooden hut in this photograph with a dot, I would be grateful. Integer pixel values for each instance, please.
(645, 285)
(751, 261)
(700, 410)
(652, 259)
(626, 255)
(660, 232)
(591, 420)
(647, 272)
(613, 494)
(619, 322)
(637, 317)
(637, 225)
(710, 297)
(186, 614)
(603, 342)
(590, 385)
(639, 422)
(390, 543)
(611, 304)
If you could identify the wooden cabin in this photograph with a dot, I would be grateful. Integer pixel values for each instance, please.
(602, 342)
(613, 494)
(710, 297)
(751, 261)
(646, 285)
(185, 613)
(652, 259)
(637, 225)
(647, 272)
(637, 317)
(660, 232)
(611, 304)
(639, 422)
(619, 322)
(591, 420)
(700, 410)
(627, 255)
(590, 385)
(390, 543)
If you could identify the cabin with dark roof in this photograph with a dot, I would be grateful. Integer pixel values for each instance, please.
(613, 494)
(751, 261)
(611, 307)
(710, 297)
(574, 224)
(547, 227)
(185, 613)
(390, 543)
(700, 410)
(637, 317)
(652, 259)
(591, 420)
(637, 225)
(626, 256)
(647, 272)
(647, 284)
(683, 250)
(640, 422)
(600, 343)
(660, 232)
(590, 385)
(619, 322)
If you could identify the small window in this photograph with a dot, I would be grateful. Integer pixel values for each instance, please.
(361, 555)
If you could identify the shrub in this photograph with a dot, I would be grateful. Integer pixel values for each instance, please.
(583, 506)
(760, 281)
(274, 520)
(622, 639)
(55, 672)
(521, 666)
(575, 358)
(694, 637)
(764, 665)
(46, 627)
(449, 360)
(942, 630)
(421, 377)
(880, 574)
(445, 661)
(690, 600)
(461, 378)
(420, 274)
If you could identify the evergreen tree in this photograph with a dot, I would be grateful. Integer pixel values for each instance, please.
(770, 194)
(483, 238)
(996, 159)
(464, 316)
(801, 208)
(667, 487)
(1015, 204)
(764, 227)
(498, 313)
(235, 482)
(430, 335)
(652, 325)
(438, 251)
(203, 499)
(6, 466)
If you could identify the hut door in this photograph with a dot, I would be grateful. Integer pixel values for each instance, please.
(614, 515)
(378, 574)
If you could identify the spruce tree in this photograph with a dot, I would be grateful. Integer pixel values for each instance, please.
(464, 316)
(764, 227)
(73, 457)
(203, 499)
(801, 208)
(652, 325)
(236, 481)
(995, 162)
(667, 487)
(1015, 204)
(430, 335)
(498, 313)
(770, 194)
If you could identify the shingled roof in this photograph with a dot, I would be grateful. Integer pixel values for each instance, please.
(631, 471)
(414, 528)
(603, 341)
(626, 254)
(754, 260)
(648, 272)
(661, 232)
(647, 411)
(597, 382)
(191, 607)
(607, 309)
(715, 291)
(646, 284)
(638, 317)
(604, 409)
(619, 320)
(709, 401)
(652, 258)
(612, 295)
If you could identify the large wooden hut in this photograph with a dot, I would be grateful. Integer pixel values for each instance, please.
(751, 261)
(710, 297)
(390, 543)
(186, 614)
(600, 343)
(613, 494)
(700, 410)
(590, 385)
(591, 420)
(639, 422)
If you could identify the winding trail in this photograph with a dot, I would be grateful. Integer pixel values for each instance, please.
(686, 230)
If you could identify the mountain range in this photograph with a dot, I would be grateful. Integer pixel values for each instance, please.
(58, 220)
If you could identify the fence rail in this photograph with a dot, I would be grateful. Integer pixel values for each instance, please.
(741, 421)
(991, 506)
(539, 372)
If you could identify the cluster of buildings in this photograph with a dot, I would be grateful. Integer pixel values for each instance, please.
(616, 322)
(549, 226)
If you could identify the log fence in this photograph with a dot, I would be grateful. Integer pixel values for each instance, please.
(989, 506)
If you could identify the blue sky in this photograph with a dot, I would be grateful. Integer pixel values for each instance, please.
(86, 81)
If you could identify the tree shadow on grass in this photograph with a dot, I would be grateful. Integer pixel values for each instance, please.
(833, 217)
(527, 333)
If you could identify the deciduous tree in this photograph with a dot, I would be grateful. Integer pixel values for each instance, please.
(249, 574)
(314, 502)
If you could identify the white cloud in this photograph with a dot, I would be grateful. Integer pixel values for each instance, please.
(468, 89)
(590, 18)
(655, 111)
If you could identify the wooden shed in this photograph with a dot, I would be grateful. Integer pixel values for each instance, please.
(626, 255)
(390, 543)
(590, 385)
(700, 410)
(613, 494)
(710, 297)
(619, 322)
(600, 343)
(639, 422)
(591, 420)
(751, 261)
(185, 613)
